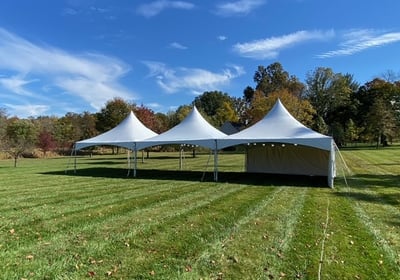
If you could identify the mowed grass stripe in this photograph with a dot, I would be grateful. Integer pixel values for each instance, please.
(174, 251)
(85, 231)
(64, 215)
(259, 240)
(71, 208)
(88, 194)
(350, 248)
(139, 243)
(385, 236)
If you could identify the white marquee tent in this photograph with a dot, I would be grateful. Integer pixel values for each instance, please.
(276, 144)
(126, 135)
(282, 145)
(193, 130)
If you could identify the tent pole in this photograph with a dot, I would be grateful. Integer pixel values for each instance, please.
(216, 162)
(332, 171)
(180, 158)
(74, 160)
(135, 161)
(128, 159)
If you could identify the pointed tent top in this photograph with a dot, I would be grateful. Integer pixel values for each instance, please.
(279, 113)
(278, 126)
(125, 134)
(193, 129)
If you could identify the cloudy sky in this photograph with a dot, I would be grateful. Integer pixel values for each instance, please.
(75, 55)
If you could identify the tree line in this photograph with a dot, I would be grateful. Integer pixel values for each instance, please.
(328, 102)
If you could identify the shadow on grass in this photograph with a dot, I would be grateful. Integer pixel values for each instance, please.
(376, 198)
(394, 221)
(363, 181)
(258, 179)
(375, 185)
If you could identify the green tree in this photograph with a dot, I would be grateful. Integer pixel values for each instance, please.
(258, 108)
(21, 136)
(87, 123)
(3, 123)
(274, 78)
(64, 134)
(331, 94)
(381, 121)
(174, 118)
(373, 96)
(113, 113)
(225, 113)
(351, 131)
(211, 102)
(161, 123)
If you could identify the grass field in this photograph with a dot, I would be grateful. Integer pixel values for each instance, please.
(169, 224)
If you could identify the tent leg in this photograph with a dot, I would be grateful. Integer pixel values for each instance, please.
(135, 163)
(74, 161)
(332, 168)
(216, 165)
(128, 158)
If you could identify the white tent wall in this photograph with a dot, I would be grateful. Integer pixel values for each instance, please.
(306, 152)
(280, 158)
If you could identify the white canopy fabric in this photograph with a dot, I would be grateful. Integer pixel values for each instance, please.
(278, 126)
(310, 153)
(125, 134)
(193, 130)
(295, 148)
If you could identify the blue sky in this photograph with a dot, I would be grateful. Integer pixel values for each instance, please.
(75, 55)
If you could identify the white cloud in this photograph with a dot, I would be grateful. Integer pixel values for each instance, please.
(222, 37)
(156, 7)
(29, 110)
(241, 7)
(176, 45)
(270, 48)
(154, 106)
(194, 80)
(15, 84)
(91, 77)
(359, 40)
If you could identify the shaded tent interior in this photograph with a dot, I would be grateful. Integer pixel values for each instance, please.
(280, 144)
(277, 144)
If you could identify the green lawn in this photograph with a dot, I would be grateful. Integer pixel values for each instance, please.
(179, 224)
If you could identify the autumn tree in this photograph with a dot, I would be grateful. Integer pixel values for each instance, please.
(87, 123)
(270, 80)
(146, 116)
(299, 108)
(113, 113)
(21, 136)
(174, 118)
(46, 142)
(161, 123)
(64, 133)
(217, 106)
(258, 108)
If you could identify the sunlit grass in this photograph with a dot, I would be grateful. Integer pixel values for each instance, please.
(179, 224)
